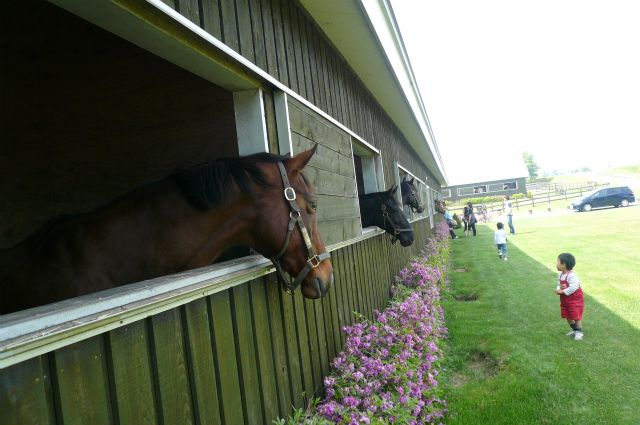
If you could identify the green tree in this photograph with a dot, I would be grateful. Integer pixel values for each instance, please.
(585, 169)
(531, 166)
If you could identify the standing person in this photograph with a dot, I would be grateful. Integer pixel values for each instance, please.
(449, 219)
(465, 220)
(500, 240)
(472, 219)
(571, 295)
(508, 209)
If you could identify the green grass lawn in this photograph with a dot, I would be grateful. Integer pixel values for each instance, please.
(630, 171)
(509, 361)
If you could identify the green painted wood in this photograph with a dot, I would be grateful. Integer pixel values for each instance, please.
(264, 349)
(337, 310)
(245, 349)
(335, 207)
(306, 369)
(260, 54)
(245, 32)
(269, 39)
(131, 377)
(359, 281)
(324, 66)
(279, 348)
(200, 360)
(329, 183)
(309, 125)
(211, 18)
(322, 340)
(225, 356)
(373, 279)
(278, 35)
(343, 301)
(290, 43)
(330, 307)
(314, 350)
(190, 10)
(82, 383)
(336, 231)
(292, 343)
(306, 60)
(313, 69)
(229, 24)
(25, 393)
(350, 279)
(172, 375)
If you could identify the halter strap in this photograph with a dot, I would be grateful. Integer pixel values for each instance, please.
(313, 260)
(396, 230)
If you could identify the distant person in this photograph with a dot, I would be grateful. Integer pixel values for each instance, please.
(465, 220)
(500, 240)
(449, 219)
(508, 209)
(571, 295)
(472, 218)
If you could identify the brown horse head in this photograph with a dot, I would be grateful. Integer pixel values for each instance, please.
(289, 215)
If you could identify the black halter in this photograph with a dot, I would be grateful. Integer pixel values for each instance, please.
(295, 218)
(414, 193)
(396, 231)
(415, 198)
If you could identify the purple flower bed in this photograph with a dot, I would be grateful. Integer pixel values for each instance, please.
(388, 372)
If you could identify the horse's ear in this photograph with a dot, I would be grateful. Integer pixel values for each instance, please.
(298, 162)
(412, 179)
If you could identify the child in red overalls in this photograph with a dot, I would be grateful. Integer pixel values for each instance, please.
(571, 296)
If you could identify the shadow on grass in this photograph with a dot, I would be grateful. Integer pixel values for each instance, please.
(509, 348)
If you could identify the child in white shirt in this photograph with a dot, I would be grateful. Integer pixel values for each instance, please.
(500, 240)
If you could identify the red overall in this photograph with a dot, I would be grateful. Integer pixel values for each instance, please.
(571, 306)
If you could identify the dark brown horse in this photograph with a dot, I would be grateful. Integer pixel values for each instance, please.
(382, 209)
(410, 195)
(439, 205)
(181, 222)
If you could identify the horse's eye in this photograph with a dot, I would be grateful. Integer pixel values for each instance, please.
(313, 205)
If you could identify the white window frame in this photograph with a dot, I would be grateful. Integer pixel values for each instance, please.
(371, 161)
(448, 191)
(408, 211)
(461, 189)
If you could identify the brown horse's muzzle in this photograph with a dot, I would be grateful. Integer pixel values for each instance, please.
(318, 287)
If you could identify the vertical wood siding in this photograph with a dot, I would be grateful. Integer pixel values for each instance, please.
(281, 39)
(241, 356)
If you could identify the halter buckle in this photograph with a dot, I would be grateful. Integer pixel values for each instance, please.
(315, 257)
(290, 194)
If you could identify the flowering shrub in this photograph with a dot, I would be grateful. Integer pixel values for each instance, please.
(389, 368)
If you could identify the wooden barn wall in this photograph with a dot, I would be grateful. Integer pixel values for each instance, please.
(86, 117)
(330, 172)
(241, 356)
(281, 39)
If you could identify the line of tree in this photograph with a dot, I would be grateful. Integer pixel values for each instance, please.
(534, 168)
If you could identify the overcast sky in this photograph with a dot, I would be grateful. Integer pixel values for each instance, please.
(559, 79)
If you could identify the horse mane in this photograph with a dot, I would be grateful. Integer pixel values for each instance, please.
(209, 184)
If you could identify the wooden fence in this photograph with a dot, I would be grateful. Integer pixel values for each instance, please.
(242, 355)
(540, 194)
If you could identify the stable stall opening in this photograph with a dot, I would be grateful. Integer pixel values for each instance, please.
(86, 117)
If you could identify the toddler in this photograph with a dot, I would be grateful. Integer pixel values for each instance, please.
(571, 296)
(500, 240)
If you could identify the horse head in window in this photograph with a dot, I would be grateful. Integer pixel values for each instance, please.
(382, 209)
(182, 222)
(439, 205)
(410, 195)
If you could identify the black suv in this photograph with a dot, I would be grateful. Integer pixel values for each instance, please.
(607, 197)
